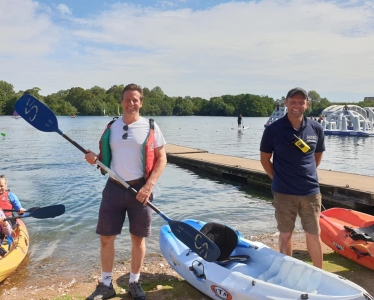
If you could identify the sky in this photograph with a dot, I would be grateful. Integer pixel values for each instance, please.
(197, 48)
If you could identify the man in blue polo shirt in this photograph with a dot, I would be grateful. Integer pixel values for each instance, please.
(296, 145)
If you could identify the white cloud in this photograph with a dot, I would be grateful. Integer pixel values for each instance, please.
(170, 3)
(264, 47)
(25, 32)
(63, 9)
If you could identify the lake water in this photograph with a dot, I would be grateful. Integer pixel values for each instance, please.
(44, 169)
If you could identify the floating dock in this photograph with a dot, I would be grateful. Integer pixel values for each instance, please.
(337, 188)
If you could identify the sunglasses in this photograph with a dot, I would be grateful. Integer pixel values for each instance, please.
(125, 135)
(2, 176)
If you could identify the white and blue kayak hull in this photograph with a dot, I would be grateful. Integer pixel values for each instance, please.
(267, 274)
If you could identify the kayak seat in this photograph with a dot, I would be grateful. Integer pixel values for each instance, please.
(363, 233)
(226, 239)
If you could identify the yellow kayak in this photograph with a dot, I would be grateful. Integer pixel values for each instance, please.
(17, 252)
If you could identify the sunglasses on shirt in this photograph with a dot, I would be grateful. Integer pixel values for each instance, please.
(125, 135)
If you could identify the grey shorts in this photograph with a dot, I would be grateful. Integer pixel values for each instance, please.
(116, 202)
(287, 207)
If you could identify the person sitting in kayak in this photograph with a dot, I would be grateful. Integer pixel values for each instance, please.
(8, 200)
(5, 231)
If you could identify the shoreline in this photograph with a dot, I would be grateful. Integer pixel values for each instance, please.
(156, 276)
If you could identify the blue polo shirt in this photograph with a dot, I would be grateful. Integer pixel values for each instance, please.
(295, 172)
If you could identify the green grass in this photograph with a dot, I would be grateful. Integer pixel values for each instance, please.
(342, 266)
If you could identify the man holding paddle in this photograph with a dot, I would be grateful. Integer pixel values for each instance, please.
(129, 132)
(138, 156)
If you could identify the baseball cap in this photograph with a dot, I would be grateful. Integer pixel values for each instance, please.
(295, 91)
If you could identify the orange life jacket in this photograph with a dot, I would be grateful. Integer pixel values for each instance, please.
(5, 203)
(148, 149)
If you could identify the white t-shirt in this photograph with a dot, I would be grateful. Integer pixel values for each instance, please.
(127, 157)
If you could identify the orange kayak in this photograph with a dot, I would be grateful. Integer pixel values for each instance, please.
(349, 233)
(17, 252)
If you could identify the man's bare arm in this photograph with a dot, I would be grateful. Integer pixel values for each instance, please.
(266, 163)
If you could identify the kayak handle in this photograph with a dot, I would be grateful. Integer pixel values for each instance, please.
(359, 253)
(200, 267)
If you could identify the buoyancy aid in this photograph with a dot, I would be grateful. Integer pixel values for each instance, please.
(5, 203)
(149, 157)
(105, 154)
(148, 149)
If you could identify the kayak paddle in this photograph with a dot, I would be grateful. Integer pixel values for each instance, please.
(43, 118)
(42, 212)
(17, 211)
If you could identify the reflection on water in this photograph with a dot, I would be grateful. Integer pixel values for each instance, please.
(44, 169)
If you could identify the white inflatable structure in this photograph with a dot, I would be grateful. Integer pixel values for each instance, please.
(354, 121)
(278, 113)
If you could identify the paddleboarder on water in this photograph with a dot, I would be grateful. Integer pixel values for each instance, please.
(240, 122)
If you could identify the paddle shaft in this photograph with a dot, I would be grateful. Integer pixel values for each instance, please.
(193, 238)
(18, 217)
(113, 175)
(43, 118)
(73, 142)
(187, 234)
(17, 211)
(11, 210)
(129, 187)
(42, 212)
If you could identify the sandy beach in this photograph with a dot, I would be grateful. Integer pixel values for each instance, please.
(159, 279)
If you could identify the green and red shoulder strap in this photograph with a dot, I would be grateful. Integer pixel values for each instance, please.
(148, 151)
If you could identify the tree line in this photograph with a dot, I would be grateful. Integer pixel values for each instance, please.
(99, 101)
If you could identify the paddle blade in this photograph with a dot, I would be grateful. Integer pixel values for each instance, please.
(37, 114)
(195, 240)
(48, 211)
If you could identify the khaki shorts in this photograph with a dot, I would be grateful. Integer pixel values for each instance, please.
(287, 207)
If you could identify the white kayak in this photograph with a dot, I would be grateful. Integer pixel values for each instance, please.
(253, 270)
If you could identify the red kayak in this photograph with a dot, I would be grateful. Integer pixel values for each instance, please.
(349, 233)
